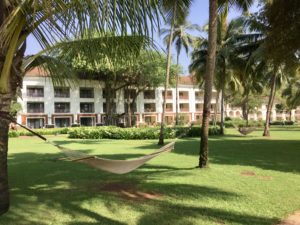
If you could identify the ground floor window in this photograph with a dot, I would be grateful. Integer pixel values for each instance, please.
(150, 120)
(87, 121)
(169, 119)
(62, 122)
(35, 122)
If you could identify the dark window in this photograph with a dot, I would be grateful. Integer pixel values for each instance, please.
(129, 93)
(62, 122)
(62, 107)
(35, 123)
(61, 92)
(35, 91)
(86, 107)
(169, 107)
(113, 105)
(104, 94)
(35, 107)
(149, 107)
(169, 94)
(184, 107)
(133, 107)
(149, 94)
(86, 93)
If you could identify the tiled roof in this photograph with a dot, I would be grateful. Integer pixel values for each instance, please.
(36, 72)
(187, 80)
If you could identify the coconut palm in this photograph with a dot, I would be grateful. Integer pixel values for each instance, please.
(182, 39)
(175, 10)
(210, 68)
(49, 21)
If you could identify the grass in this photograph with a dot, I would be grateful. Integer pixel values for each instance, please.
(46, 191)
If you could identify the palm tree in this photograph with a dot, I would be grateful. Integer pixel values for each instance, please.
(175, 10)
(225, 75)
(210, 69)
(182, 39)
(49, 21)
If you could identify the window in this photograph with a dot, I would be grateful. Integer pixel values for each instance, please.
(62, 107)
(113, 105)
(183, 95)
(169, 107)
(35, 91)
(86, 107)
(129, 93)
(86, 93)
(199, 107)
(35, 107)
(105, 92)
(149, 94)
(198, 95)
(133, 107)
(62, 122)
(169, 94)
(184, 107)
(149, 107)
(61, 92)
(35, 122)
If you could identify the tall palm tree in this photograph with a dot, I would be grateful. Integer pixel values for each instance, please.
(226, 74)
(210, 69)
(175, 10)
(49, 21)
(182, 39)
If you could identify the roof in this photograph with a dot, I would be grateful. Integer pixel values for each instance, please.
(36, 72)
(187, 80)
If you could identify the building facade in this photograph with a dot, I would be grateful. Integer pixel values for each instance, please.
(46, 105)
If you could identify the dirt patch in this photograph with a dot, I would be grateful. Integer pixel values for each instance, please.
(293, 219)
(129, 191)
(248, 173)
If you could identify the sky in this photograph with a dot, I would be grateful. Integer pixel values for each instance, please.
(198, 15)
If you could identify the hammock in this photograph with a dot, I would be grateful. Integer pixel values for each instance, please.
(246, 130)
(109, 165)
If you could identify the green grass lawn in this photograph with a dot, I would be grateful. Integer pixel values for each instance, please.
(47, 191)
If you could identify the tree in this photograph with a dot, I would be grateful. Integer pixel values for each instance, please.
(182, 39)
(210, 70)
(49, 21)
(175, 10)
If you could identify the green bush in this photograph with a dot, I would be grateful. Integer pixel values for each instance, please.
(234, 122)
(136, 133)
(50, 131)
(13, 134)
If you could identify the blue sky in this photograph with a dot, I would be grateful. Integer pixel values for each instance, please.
(198, 14)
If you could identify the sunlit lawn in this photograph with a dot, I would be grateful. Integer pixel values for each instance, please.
(251, 180)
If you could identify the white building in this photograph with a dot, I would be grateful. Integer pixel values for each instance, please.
(46, 105)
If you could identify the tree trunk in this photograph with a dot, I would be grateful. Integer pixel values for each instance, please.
(5, 100)
(161, 134)
(209, 78)
(270, 105)
(247, 110)
(222, 112)
(176, 103)
(216, 109)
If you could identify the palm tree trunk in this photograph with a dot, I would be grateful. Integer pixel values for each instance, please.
(270, 105)
(210, 70)
(5, 100)
(216, 109)
(177, 79)
(222, 112)
(161, 134)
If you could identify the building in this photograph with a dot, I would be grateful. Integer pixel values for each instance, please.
(46, 105)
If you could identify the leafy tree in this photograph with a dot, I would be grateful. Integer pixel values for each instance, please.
(49, 21)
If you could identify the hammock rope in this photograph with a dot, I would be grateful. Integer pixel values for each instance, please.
(109, 165)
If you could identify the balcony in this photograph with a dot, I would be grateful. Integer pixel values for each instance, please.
(61, 92)
(62, 107)
(35, 92)
(169, 107)
(199, 107)
(35, 107)
(86, 93)
(86, 107)
(149, 107)
(183, 95)
(184, 107)
(199, 95)
(149, 94)
(169, 95)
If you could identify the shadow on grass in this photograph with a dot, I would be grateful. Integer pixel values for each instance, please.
(63, 187)
(280, 155)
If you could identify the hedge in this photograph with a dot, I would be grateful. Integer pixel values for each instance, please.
(111, 132)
